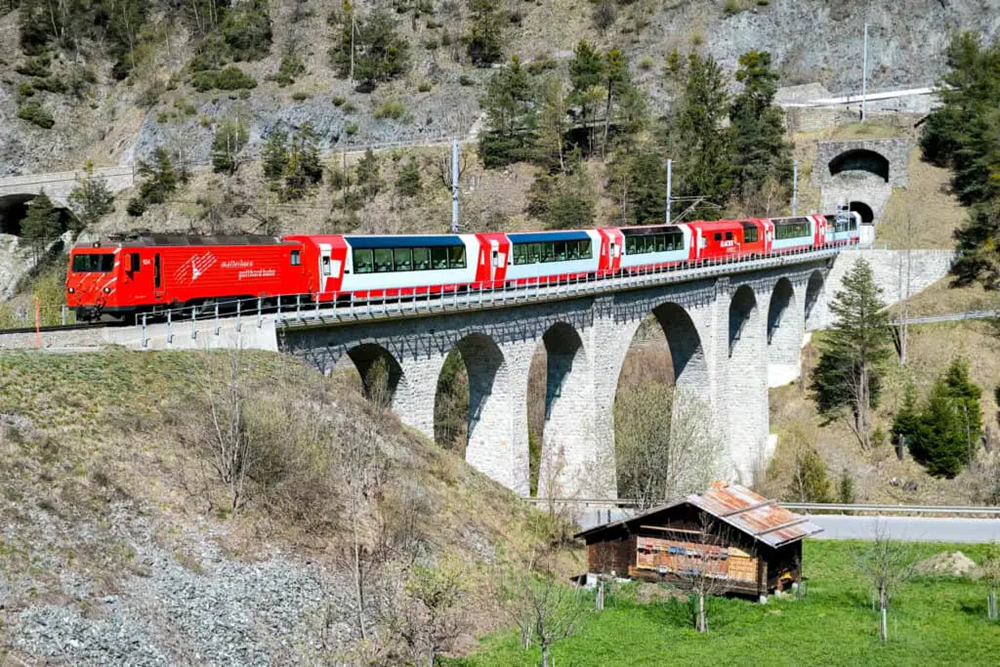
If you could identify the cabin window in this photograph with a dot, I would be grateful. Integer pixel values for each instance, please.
(456, 257)
(791, 229)
(296, 259)
(421, 259)
(383, 260)
(439, 258)
(729, 236)
(326, 266)
(93, 263)
(363, 261)
(403, 259)
(557, 251)
(750, 235)
(648, 243)
(718, 236)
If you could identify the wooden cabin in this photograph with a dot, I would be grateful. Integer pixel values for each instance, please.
(744, 543)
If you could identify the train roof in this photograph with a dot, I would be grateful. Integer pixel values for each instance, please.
(418, 240)
(145, 239)
(546, 237)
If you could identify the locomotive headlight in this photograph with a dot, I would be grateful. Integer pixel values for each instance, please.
(71, 290)
(107, 290)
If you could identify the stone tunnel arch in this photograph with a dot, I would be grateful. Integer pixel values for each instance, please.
(860, 160)
(14, 208)
(814, 312)
(745, 395)
(864, 210)
(784, 334)
(566, 432)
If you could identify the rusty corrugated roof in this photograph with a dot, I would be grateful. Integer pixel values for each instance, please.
(742, 509)
(754, 514)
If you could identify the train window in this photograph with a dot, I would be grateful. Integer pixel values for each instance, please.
(750, 235)
(326, 266)
(157, 272)
(93, 263)
(718, 236)
(296, 259)
(421, 259)
(383, 260)
(134, 262)
(456, 257)
(520, 253)
(535, 253)
(572, 250)
(548, 252)
(729, 236)
(560, 251)
(363, 261)
(402, 258)
(791, 229)
(439, 258)
(586, 249)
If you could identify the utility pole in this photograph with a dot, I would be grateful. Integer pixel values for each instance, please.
(795, 187)
(670, 164)
(864, 75)
(454, 186)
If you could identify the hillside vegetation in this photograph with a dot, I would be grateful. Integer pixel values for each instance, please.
(118, 526)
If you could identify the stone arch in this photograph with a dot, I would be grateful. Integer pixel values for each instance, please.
(814, 308)
(687, 354)
(864, 210)
(860, 159)
(785, 326)
(568, 434)
(745, 396)
(489, 434)
(366, 358)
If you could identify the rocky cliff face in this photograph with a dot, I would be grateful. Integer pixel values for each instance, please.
(811, 40)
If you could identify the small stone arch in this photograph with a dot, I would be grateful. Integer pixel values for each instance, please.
(367, 358)
(745, 404)
(864, 210)
(567, 436)
(14, 208)
(784, 334)
(815, 290)
(489, 433)
(860, 160)
(687, 354)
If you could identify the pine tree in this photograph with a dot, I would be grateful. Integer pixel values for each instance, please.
(275, 155)
(552, 125)
(966, 394)
(810, 483)
(90, 199)
(511, 112)
(636, 182)
(485, 40)
(372, 47)
(940, 443)
(408, 179)
(906, 424)
(617, 82)
(845, 488)
(854, 351)
(302, 168)
(41, 225)
(368, 179)
(229, 140)
(760, 152)
(563, 200)
(160, 177)
(585, 77)
(697, 137)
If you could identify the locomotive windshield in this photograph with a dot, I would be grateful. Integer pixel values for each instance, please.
(91, 263)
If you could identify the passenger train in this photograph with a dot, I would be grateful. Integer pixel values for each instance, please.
(144, 272)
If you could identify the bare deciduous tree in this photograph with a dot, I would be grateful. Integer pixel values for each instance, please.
(544, 609)
(702, 572)
(664, 444)
(991, 572)
(426, 614)
(886, 563)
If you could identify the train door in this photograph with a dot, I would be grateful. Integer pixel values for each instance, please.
(136, 280)
(157, 277)
(499, 248)
(331, 269)
(820, 222)
(767, 226)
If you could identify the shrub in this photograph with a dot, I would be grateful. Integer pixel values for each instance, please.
(25, 89)
(424, 87)
(291, 67)
(136, 206)
(246, 30)
(393, 109)
(338, 101)
(230, 78)
(351, 129)
(646, 63)
(34, 112)
(408, 180)
(730, 7)
(604, 14)
(542, 63)
(38, 67)
(431, 44)
(465, 81)
(52, 84)
(300, 95)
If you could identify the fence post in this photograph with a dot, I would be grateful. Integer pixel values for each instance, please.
(216, 319)
(170, 333)
(64, 314)
(145, 341)
(260, 303)
(239, 320)
(194, 331)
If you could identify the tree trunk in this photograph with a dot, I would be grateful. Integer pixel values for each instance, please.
(545, 655)
(883, 621)
(702, 619)
(607, 122)
(991, 605)
(599, 604)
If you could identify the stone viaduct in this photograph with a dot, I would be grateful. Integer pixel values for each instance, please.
(861, 173)
(729, 338)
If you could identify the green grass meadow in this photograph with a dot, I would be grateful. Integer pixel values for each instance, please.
(932, 621)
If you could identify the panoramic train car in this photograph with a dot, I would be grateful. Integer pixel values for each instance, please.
(563, 256)
(655, 247)
(146, 273)
(799, 233)
(843, 229)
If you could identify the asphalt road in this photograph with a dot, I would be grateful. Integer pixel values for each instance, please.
(914, 529)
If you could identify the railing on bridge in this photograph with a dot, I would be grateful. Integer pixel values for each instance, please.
(826, 508)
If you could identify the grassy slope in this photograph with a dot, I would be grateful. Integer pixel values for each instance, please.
(932, 621)
(924, 214)
(94, 431)
(931, 349)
